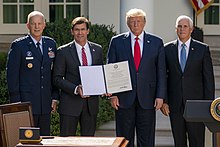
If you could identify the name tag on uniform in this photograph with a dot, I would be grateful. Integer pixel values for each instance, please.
(29, 58)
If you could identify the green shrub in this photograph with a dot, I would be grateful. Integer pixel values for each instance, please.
(106, 112)
(61, 32)
(3, 87)
(3, 59)
(4, 99)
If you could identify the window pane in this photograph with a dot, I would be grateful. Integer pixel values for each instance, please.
(9, 1)
(72, 11)
(26, 1)
(10, 14)
(56, 13)
(24, 11)
(55, 1)
(72, 0)
(212, 15)
(216, 1)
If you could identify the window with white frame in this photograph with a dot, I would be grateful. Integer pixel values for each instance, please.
(16, 11)
(59, 9)
(209, 20)
(211, 16)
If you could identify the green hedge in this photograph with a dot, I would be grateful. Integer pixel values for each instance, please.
(61, 32)
(3, 87)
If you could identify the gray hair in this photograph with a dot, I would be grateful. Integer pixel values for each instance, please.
(135, 12)
(181, 17)
(34, 13)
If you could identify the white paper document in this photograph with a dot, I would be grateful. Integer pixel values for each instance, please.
(101, 79)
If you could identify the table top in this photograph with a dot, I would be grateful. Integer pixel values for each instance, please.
(79, 142)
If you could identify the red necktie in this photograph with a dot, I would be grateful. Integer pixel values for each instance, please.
(137, 53)
(84, 58)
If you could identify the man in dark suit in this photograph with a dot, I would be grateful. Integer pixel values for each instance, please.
(29, 72)
(74, 107)
(144, 52)
(190, 77)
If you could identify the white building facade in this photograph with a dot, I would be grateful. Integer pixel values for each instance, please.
(161, 15)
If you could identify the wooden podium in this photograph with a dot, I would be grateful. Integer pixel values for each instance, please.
(199, 111)
(79, 142)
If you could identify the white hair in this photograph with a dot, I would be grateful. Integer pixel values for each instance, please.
(181, 17)
(34, 13)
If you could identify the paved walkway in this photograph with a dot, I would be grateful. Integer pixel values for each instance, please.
(163, 131)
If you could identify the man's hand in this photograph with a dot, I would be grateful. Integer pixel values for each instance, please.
(114, 102)
(158, 103)
(80, 92)
(54, 106)
(165, 109)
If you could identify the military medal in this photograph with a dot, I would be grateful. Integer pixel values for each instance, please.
(30, 65)
(51, 54)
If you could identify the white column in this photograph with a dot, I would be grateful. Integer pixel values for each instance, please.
(145, 5)
(84, 8)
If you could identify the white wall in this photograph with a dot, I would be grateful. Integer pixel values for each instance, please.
(165, 13)
(161, 15)
(105, 12)
(145, 5)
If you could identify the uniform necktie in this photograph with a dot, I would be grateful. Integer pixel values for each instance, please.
(137, 53)
(183, 57)
(38, 47)
(84, 58)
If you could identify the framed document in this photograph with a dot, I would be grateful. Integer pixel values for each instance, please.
(101, 79)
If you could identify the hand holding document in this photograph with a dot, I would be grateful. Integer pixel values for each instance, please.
(110, 78)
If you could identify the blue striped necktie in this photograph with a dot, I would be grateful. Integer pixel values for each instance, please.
(183, 56)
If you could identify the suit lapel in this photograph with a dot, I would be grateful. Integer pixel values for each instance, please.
(190, 54)
(127, 44)
(146, 46)
(174, 53)
(92, 51)
(74, 54)
(45, 48)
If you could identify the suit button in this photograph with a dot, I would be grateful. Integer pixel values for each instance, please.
(42, 77)
(42, 67)
(182, 77)
(42, 87)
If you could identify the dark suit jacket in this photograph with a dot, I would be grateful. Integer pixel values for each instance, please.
(150, 80)
(29, 77)
(197, 81)
(67, 77)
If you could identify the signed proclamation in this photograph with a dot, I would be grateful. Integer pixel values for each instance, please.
(110, 78)
(117, 77)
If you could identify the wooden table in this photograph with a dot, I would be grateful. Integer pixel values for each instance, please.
(79, 142)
